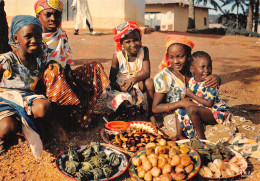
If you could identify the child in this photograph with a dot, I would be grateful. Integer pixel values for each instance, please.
(210, 109)
(130, 71)
(79, 88)
(20, 71)
(170, 83)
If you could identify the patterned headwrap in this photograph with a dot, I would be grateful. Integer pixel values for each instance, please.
(172, 40)
(20, 21)
(47, 4)
(124, 29)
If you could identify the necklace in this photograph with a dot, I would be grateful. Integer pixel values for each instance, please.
(20, 61)
(130, 73)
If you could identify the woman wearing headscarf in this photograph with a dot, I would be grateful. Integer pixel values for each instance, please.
(20, 71)
(79, 88)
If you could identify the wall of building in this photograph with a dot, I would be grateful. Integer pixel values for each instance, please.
(177, 20)
(106, 14)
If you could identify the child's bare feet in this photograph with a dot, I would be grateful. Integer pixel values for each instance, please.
(155, 123)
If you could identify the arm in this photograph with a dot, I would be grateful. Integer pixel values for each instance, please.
(146, 71)
(205, 102)
(212, 81)
(113, 73)
(159, 107)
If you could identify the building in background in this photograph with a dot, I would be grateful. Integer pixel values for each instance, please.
(106, 14)
(172, 15)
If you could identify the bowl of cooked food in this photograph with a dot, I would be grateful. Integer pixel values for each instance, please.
(164, 161)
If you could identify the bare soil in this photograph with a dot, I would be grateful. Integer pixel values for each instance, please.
(235, 60)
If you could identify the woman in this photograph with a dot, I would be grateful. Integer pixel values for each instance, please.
(79, 88)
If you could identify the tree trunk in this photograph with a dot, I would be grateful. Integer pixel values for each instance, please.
(256, 16)
(4, 46)
(191, 18)
(249, 24)
(237, 17)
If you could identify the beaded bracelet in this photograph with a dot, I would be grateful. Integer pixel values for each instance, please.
(167, 108)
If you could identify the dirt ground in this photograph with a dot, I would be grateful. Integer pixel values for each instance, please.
(235, 60)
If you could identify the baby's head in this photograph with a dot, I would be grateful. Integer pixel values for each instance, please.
(201, 65)
(128, 36)
(178, 53)
(26, 33)
(50, 14)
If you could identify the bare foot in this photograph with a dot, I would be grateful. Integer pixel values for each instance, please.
(155, 123)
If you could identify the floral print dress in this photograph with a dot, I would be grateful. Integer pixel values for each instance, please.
(126, 71)
(219, 108)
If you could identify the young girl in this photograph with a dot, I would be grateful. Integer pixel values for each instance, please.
(170, 83)
(130, 71)
(79, 88)
(20, 71)
(210, 109)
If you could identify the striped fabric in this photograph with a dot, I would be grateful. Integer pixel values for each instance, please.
(57, 88)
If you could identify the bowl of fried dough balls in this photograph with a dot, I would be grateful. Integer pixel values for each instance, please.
(164, 161)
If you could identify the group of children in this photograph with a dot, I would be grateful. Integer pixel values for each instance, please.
(42, 56)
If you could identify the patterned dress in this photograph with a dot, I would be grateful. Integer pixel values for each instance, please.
(167, 83)
(126, 71)
(219, 108)
(16, 96)
(81, 88)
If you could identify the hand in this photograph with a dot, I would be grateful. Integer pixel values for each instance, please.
(186, 103)
(73, 8)
(211, 81)
(189, 93)
(129, 84)
(57, 65)
(123, 87)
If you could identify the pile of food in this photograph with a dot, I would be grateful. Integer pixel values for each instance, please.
(218, 168)
(164, 161)
(134, 139)
(91, 163)
(218, 161)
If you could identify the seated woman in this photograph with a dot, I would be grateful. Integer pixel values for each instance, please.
(20, 72)
(81, 87)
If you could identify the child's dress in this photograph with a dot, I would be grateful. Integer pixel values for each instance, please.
(16, 96)
(219, 108)
(126, 71)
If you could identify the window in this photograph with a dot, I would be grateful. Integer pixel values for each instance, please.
(205, 21)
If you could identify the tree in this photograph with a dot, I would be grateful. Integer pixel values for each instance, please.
(256, 15)
(249, 24)
(235, 4)
(191, 18)
(214, 3)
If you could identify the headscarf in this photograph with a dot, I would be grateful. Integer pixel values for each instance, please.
(20, 21)
(172, 40)
(47, 4)
(124, 29)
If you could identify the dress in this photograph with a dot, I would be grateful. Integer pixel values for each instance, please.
(83, 13)
(219, 108)
(81, 87)
(126, 71)
(167, 83)
(16, 96)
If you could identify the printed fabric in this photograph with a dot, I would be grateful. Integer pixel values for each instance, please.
(172, 39)
(167, 83)
(124, 29)
(47, 4)
(135, 96)
(16, 75)
(19, 103)
(57, 48)
(219, 108)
